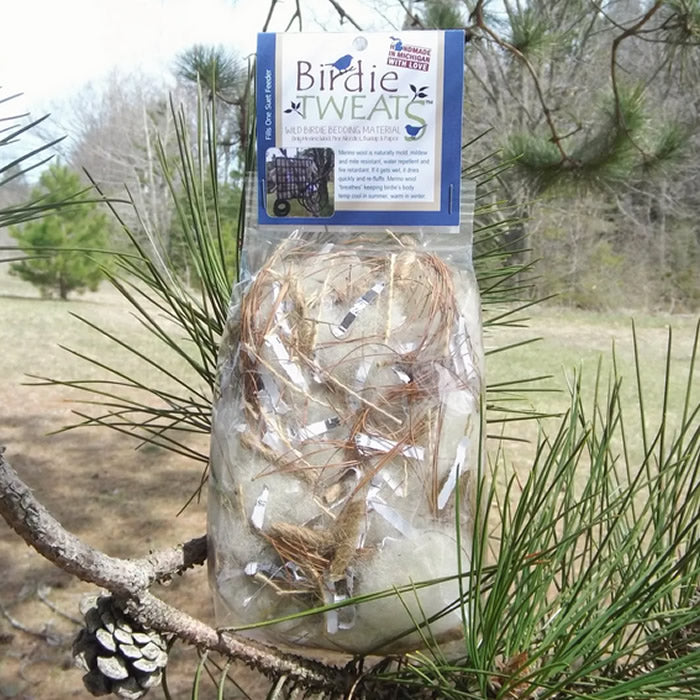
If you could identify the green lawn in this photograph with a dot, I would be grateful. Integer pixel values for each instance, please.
(40, 327)
(593, 347)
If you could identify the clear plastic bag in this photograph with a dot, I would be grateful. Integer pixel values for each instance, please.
(347, 420)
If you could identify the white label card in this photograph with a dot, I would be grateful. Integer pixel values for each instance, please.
(360, 129)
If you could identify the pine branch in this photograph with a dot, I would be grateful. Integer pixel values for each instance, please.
(630, 31)
(41, 530)
(551, 157)
(130, 579)
(478, 16)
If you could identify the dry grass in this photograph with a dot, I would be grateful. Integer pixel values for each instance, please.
(582, 342)
(117, 498)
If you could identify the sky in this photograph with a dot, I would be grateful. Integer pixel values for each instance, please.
(50, 49)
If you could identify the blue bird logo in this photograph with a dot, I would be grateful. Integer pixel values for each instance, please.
(342, 64)
(413, 131)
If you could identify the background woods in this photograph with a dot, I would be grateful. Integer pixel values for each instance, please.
(596, 107)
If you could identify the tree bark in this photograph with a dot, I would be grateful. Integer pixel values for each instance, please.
(129, 580)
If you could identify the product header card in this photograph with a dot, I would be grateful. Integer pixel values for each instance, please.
(360, 129)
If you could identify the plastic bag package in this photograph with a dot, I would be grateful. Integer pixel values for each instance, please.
(346, 422)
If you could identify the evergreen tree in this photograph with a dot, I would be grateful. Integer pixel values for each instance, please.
(61, 247)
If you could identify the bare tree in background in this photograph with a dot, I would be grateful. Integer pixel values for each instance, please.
(115, 135)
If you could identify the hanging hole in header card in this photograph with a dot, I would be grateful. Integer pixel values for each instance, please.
(359, 43)
(300, 182)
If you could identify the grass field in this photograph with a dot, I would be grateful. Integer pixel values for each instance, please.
(125, 501)
(570, 344)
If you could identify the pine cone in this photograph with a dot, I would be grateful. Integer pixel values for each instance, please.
(118, 655)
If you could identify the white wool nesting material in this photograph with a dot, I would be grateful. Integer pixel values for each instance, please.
(346, 425)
